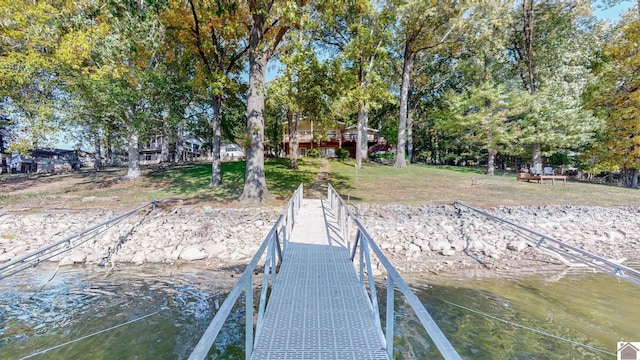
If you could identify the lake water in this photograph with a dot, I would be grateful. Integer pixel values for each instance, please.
(157, 312)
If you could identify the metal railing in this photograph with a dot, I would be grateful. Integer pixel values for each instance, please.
(274, 250)
(564, 249)
(365, 244)
(35, 257)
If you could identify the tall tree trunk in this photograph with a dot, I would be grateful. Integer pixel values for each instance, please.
(361, 138)
(410, 134)
(536, 158)
(491, 162)
(401, 162)
(255, 185)
(97, 161)
(528, 26)
(2, 147)
(293, 121)
(365, 134)
(164, 145)
(436, 146)
(531, 81)
(180, 143)
(164, 149)
(133, 171)
(110, 158)
(216, 165)
(630, 178)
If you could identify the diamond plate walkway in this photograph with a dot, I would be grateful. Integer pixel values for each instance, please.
(318, 309)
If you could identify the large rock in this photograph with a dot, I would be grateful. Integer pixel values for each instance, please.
(439, 244)
(215, 249)
(138, 258)
(192, 253)
(156, 256)
(517, 245)
(77, 256)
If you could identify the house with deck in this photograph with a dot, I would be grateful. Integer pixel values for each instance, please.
(157, 149)
(43, 161)
(328, 139)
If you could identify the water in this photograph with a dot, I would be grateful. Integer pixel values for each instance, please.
(36, 314)
(566, 315)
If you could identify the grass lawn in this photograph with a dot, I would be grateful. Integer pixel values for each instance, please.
(427, 184)
(192, 181)
(185, 182)
(189, 183)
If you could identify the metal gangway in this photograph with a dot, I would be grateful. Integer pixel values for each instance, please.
(35, 257)
(318, 298)
(564, 250)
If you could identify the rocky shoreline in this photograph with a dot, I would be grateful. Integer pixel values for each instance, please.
(441, 238)
(414, 238)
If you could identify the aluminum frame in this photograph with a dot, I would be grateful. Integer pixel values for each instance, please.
(46, 252)
(272, 248)
(363, 242)
(564, 249)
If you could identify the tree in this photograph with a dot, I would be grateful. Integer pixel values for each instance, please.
(424, 25)
(269, 22)
(215, 35)
(616, 98)
(437, 73)
(305, 89)
(478, 106)
(129, 54)
(30, 83)
(551, 48)
(357, 34)
(480, 118)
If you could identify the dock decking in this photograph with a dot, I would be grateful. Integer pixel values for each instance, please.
(318, 309)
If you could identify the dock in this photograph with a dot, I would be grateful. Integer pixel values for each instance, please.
(318, 308)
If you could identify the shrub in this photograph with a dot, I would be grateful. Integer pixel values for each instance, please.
(382, 155)
(315, 153)
(342, 153)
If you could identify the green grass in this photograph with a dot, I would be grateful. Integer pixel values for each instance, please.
(186, 182)
(189, 183)
(426, 184)
(193, 180)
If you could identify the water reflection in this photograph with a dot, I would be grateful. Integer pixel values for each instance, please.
(36, 315)
(544, 316)
(479, 315)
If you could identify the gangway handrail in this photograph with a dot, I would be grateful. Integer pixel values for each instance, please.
(364, 241)
(581, 255)
(281, 231)
(46, 252)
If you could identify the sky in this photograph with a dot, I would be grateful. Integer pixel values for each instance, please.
(612, 14)
(615, 12)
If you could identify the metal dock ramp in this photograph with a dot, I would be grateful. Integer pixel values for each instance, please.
(318, 309)
(323, 302)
